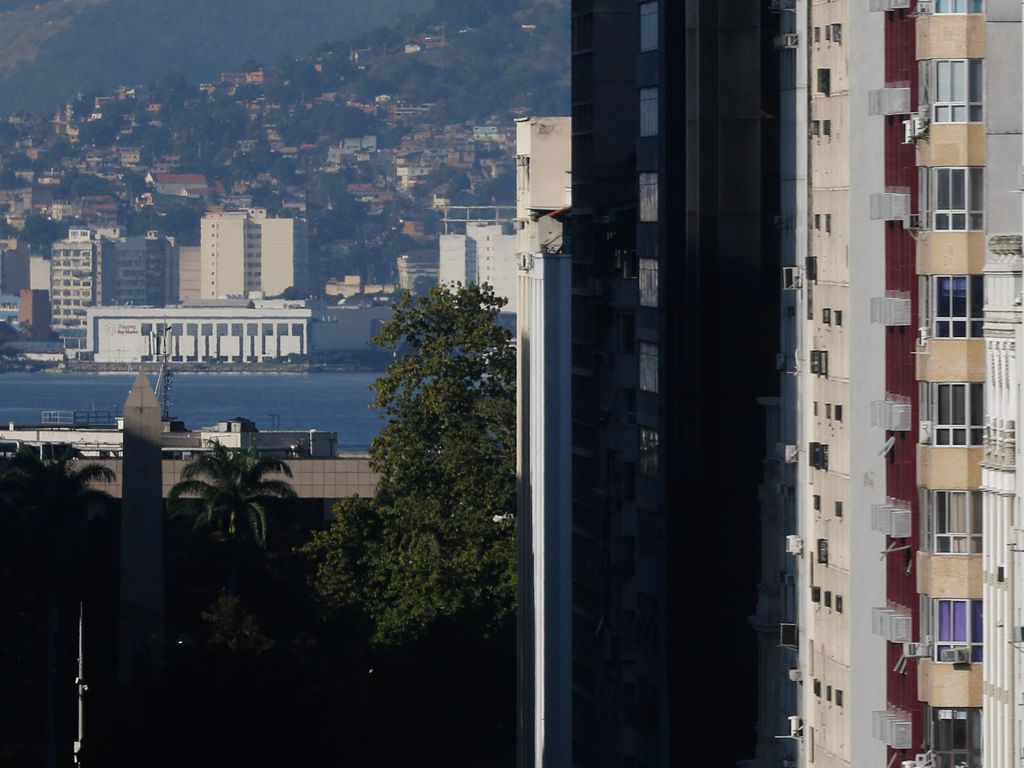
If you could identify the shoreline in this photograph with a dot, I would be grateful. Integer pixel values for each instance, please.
(219, 368)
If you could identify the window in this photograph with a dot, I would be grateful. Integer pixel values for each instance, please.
(826, 127)
(839, 609)
(958, 623)
(648, 451)
(958, 412)
(837, 317)
(956, 521)
(825, 81)
(957, 89)
(648, 111)
(959, 306)
(958, 6)
(648, 367)
(648, 197)
(956, 198)
(817, 34)
(649, 26)
(839, 692)
(648, 282)
(956, 737)
(828, 220)
(839, 509)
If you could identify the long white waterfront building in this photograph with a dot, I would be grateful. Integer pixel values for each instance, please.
(230, 330)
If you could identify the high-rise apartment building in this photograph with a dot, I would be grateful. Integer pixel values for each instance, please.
(76, 278)
(95, 267)
(242, 252)
(890, 498)
(543, 440)
(668, 335)
(486, 253)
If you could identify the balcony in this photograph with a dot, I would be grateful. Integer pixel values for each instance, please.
(1000, 444)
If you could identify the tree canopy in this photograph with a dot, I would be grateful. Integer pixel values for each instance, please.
(437, 543)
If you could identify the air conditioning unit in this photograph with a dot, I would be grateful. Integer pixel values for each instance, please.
(796, 725)
(794, 545)
(921, 650)
(788, 41)
(790, 278)
(957, 655)
(925, 432)
(796, 674)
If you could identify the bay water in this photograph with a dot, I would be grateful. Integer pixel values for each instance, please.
(333, 402)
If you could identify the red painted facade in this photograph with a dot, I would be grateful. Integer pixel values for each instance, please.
(900, 345)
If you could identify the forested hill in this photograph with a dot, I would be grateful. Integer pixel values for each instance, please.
(52, 49)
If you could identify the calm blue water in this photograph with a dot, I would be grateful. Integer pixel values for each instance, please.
(333, 402)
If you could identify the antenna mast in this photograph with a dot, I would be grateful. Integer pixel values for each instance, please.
(80, 684)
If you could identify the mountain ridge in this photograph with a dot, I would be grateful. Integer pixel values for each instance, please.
(50, 51)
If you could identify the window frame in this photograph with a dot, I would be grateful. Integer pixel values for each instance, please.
(971, 633)
(970, 6)
(647, 362)
(972, 404)
(945, 319)
(648, 26)
(963, 209)
(649, 109)
(968, 538)
(940, 92)
(944, 747)
(647, 196)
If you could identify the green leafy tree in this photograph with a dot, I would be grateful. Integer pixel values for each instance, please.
(437, 543)
(230, 495)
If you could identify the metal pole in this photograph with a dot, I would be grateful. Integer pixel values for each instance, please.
(80, 684)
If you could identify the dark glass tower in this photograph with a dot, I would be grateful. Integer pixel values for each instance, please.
(673, 338)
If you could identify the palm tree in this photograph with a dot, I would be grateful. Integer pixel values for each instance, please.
(45, 506)
(229, 495)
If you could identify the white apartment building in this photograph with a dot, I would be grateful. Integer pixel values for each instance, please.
(544, 442)
(485, 254)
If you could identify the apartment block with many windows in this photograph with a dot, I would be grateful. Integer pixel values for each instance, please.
(937, 108)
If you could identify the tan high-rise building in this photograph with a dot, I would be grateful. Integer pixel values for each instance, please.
(896, 520)
(243, 252)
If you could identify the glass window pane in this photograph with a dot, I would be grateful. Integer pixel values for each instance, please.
(958, 81)
(958, 189)
(944, 406)
(977, 189)
(977, 404)
(944, 624)
(943, 80)
(975, 92)
(958, 399)
(943, 299)
(977, 296)
(959, 621)
(942, 189)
